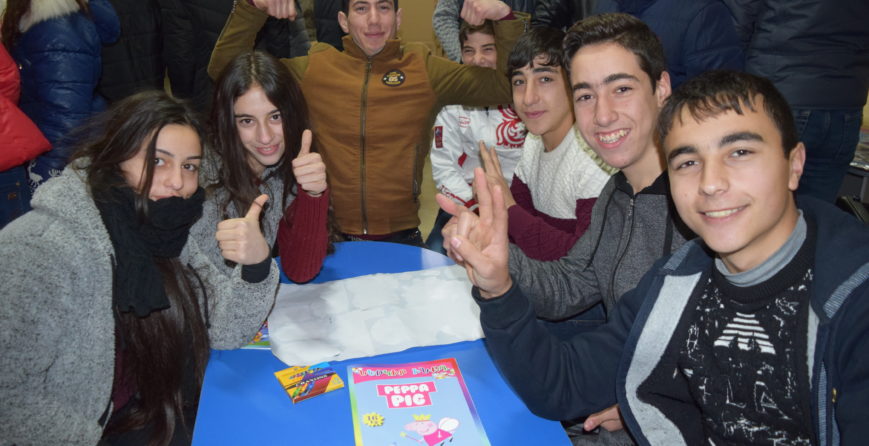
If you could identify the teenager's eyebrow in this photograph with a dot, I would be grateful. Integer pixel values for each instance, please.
(684, 150)
(172, 155)
(543, 69)
(739, 136)
(607, 80)
(247, 115)
(615, 77)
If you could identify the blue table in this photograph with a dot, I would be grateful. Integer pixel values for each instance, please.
(242, 402)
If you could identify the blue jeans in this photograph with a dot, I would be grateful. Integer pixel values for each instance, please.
(435, 240)
(831, 138)
(15, 194)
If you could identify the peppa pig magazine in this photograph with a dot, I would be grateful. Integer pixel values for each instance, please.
(419, 403)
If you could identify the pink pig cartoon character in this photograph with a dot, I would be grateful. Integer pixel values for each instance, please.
(432, 434)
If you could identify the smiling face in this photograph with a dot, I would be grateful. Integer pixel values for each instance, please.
(732, 183)
(479, 50)
(615, 107)
(370, 23)
(260, 129)
(176, 164)
(540, 98)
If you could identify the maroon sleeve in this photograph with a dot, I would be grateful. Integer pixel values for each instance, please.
(543, 237)
(522, 195)
(303, 236)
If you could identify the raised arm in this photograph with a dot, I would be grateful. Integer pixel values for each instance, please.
(239, 35)
(556, 379)
(445, 22)
(303, 235)
(468, 85)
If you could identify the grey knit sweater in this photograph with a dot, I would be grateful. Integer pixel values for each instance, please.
(57, 340)
(626, 235)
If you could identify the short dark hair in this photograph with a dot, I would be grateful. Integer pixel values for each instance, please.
(623, 29)
(540, 41)
(719, 91)
(467, 29)
(345, 5)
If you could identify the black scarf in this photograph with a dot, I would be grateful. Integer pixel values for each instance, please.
(138, 285)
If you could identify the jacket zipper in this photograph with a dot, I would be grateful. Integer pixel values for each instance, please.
(624, 251)
(362, 146)
(415, 189)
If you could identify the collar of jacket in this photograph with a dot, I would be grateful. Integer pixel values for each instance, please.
(836, 235)
(43, 10)
(391, 50)
(661, 185)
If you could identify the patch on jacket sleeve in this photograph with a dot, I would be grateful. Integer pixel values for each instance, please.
(439, 136)
(393, 78)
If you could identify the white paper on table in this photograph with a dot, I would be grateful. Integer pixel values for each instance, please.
(372, 315)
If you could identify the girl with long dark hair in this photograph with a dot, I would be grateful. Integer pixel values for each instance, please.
(109, 308)
(259, 123)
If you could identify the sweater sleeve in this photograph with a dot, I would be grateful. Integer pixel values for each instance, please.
(850, 350)
(557, 379)
(445, 22)
(236, 308)
(37, 283)
(454, 83)
(447, 150)
(564, 287)
(538, 239)
(303, 236)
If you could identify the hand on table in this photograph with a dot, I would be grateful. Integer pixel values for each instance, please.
(280, 9)
(475, 12)
(308, 168)
(494, 175)
(240, 239)
(609, 419)
(479, 243)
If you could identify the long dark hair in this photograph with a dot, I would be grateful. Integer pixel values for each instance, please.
(15, 10)
(246, 71)
(157, 349)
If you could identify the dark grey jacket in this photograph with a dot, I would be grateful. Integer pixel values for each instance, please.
(816, 52)
(626, 235)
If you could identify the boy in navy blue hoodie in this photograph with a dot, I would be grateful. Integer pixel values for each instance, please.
(757, 332)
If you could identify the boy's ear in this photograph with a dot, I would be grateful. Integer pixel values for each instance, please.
(663, 88)
(343, 23)
(796, 161)
(397, 19)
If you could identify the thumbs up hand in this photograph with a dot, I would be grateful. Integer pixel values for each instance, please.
(240, 239)
(309, 169)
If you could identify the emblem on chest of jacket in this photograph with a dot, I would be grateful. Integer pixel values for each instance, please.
(393, 78)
